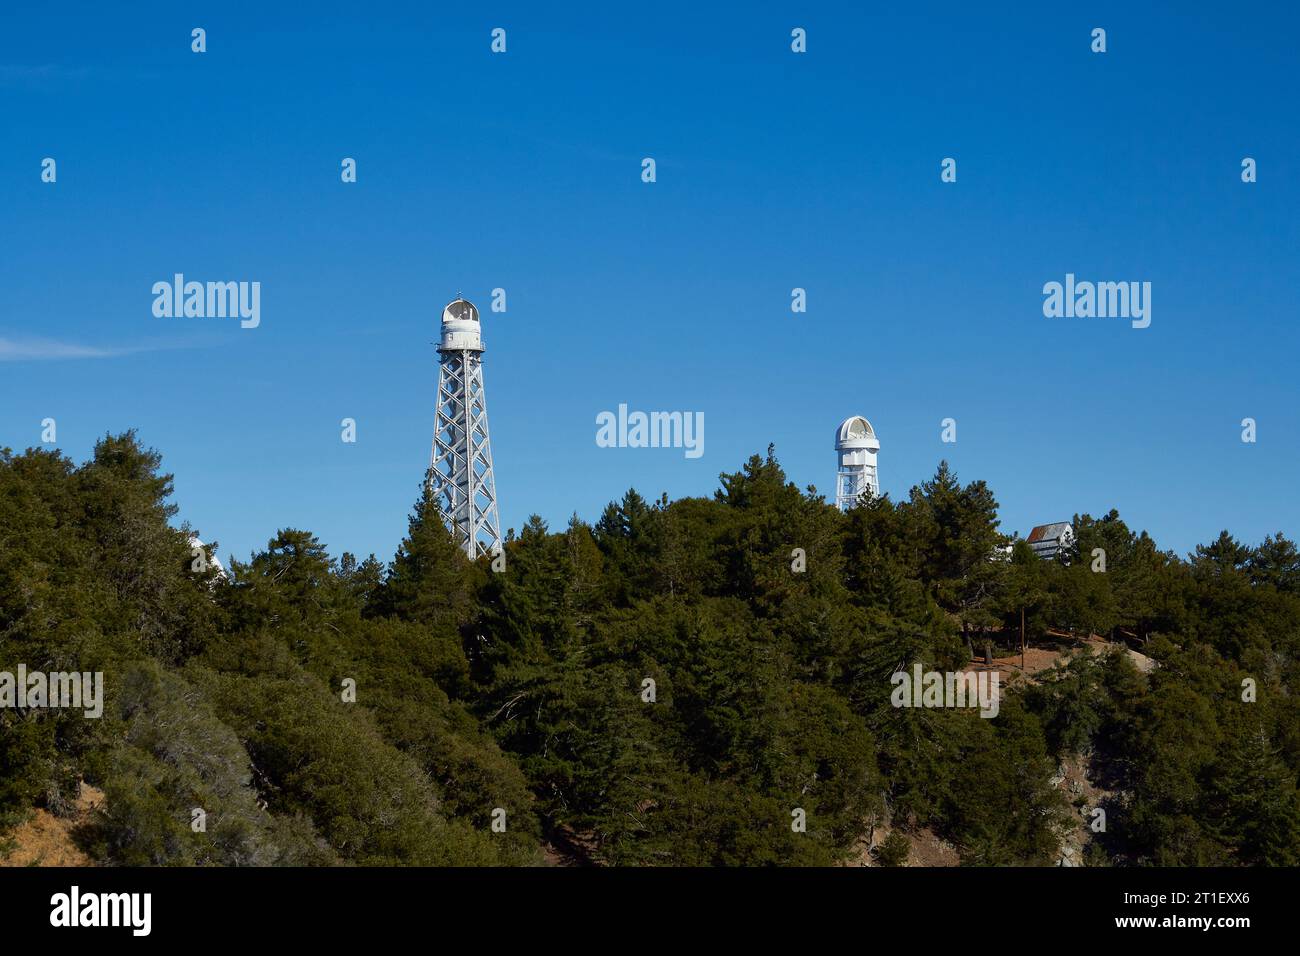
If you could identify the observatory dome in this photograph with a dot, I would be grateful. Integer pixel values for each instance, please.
(460, 327)
(460, 310)
(855, 432)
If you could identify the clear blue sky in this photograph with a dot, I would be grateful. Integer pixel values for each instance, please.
(775, 170)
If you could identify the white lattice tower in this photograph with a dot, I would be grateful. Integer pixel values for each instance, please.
(462, 476)
(857, 445)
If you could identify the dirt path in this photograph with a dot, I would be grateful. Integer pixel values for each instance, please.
(1038, 659)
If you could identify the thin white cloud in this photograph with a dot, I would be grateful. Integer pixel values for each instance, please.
(18, 74)
(37, 350)
(50, 76)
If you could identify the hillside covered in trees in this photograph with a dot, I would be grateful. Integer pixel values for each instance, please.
(525, 690)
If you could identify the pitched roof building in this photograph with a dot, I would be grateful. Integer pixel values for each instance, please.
(1049, 540)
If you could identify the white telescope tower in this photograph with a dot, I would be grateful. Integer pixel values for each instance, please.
(857, 445)
(463, 480)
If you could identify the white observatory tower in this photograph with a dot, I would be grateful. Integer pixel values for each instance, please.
(857, 445)
(463, 479)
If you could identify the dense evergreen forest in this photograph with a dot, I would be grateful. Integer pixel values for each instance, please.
(525, 690)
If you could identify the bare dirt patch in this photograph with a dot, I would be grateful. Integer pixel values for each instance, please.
(925, 848)
(46, 840)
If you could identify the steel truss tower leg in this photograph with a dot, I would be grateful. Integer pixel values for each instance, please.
(463, 479)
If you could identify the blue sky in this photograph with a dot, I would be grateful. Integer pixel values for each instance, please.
(775, 171)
